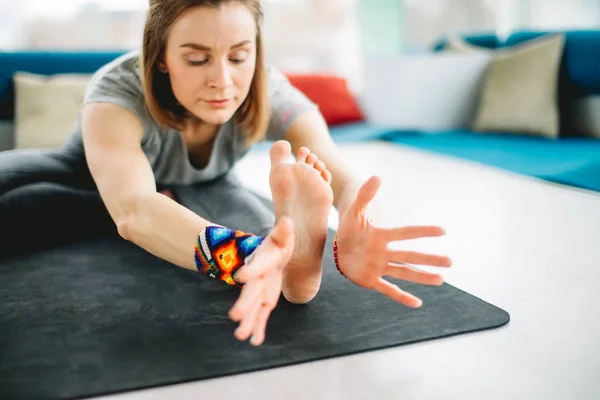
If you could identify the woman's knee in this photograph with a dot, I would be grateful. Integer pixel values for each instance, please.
(45, 215)
(23, 167)
(53, 205)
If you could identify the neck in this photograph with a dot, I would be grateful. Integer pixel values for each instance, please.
(200, 131)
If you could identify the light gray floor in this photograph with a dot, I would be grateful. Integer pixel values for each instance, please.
(529, 247)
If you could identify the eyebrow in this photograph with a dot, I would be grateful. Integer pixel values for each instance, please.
(197, 46)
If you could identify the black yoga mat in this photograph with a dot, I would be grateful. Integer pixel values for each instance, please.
(103, 316)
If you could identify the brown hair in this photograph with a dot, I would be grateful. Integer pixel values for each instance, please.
(252, 116)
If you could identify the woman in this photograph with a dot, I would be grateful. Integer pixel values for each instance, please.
(174, 119)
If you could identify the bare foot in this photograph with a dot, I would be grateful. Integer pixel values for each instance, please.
(302, 191)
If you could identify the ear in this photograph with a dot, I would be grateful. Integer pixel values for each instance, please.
(162, 67)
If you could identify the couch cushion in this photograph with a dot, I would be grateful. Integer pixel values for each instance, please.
(47, 108)
(331, 93)
(570, 161)
(487, 40)
(581, 56)
(45, 63)
(520, 91)
(429, 92)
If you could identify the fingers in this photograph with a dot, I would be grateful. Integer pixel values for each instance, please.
(413, 257)
(254, 325)
(258, 337)
(413, 232)
(248, 323)
(367, 192)
(255, 306)
(395, 293)
(271, 295)
(273, 253)
(409, 274)
(248, 298)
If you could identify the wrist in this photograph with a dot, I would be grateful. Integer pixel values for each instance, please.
(220, 252)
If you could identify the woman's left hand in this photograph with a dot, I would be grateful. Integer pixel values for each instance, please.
(364, 257)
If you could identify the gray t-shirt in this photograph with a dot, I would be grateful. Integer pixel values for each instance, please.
(119, 82)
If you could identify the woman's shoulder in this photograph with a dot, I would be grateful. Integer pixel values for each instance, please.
(119, 82)
(287, 103)
(276, 80)
(121, 76)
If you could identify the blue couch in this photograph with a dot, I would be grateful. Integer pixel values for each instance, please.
(572, 159)
(43, 63)
(569, 160)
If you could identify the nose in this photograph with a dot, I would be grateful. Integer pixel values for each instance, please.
(219, 75)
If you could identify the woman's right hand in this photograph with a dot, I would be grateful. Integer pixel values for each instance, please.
(262, 279)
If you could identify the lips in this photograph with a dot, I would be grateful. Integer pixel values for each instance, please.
(218, 102)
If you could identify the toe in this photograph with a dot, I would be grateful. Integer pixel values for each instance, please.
(320, 166)
(325, 174)
(303, 153)
(312, 159)
(280, 151)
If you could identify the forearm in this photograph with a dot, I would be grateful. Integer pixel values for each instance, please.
(344, 196)
(164, 228)
(348, 195)
(344, 184)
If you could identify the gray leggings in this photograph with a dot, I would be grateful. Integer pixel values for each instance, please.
(48, 198)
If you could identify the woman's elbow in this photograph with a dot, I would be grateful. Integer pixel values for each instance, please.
(130, 212)
(124, 227)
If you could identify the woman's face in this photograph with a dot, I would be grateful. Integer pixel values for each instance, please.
(210, 58)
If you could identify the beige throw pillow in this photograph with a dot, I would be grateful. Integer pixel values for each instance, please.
(520, 92)
(46, 108)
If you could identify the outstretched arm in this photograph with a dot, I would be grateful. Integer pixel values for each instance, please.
(125, 180)
(161, 226)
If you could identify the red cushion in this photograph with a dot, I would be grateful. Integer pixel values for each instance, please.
(331, 94)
